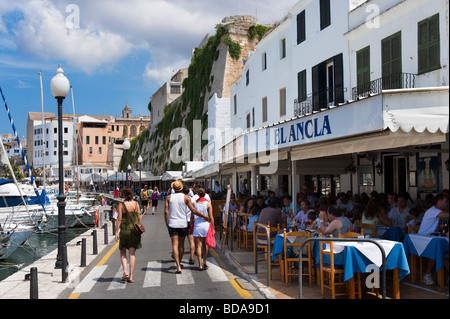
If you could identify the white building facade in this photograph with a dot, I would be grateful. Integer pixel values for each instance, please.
(349, 96)
(45, 143)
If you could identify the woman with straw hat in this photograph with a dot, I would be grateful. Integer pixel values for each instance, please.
(177, 220)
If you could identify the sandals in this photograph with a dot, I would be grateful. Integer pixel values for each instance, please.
(130, 280)
(205, 266)
(124, 278)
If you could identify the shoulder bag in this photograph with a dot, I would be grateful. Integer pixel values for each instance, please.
(138, 228)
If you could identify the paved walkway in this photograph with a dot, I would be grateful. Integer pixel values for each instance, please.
(51, 287)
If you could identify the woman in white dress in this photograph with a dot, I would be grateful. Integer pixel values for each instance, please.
(201, 227)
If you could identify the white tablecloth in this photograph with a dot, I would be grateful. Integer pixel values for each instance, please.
(421, 242)
(371, 251)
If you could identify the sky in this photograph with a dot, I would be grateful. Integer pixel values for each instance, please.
(113, 52)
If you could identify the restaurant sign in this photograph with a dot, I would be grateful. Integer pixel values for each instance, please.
(344, 121)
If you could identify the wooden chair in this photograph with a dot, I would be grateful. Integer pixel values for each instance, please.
(351, 234)
(335, 277)
(262, 244)
(370, 229)
(247, 232)
(287, 261)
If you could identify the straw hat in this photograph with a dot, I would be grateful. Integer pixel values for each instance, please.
(177, 186)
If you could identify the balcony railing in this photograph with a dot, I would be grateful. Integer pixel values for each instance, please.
(320, 100)
(393, 81)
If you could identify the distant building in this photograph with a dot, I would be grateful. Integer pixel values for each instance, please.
(168, 93)
(96, 136)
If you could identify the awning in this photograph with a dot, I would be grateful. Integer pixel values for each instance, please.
(211, 169)
(411, 117)
(171, 176)
(366, 143)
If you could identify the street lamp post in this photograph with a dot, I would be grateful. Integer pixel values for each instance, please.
(140, 171)
(126, 147)
(60, 88)
(129, 174)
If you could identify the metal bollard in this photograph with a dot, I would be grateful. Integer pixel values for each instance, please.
(94, 244)
(113, 221)
(34, 294)
(65, 265)
(105, 233)
(83, 253)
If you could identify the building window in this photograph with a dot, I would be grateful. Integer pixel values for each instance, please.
(282, 49)
(66, 130)
(175, 89)
(55, 130)
(112, 127)
(235, 104)
(325, 14)
(283, 102)
(247, 77)
(248, 121)
(429, 44)
(65, 153)
(301, 27)
(117, 128)
(96, 140)
(264, 61)
(264, 109)
(66, 143)
(391, 57)
(55, 143)
(100, 150)
(104, 140)
(301, 82)
(90, 150)
(88, 140)
(363, 70)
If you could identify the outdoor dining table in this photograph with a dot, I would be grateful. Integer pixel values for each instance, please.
(357, 257)
(391, 233)
(433, 247)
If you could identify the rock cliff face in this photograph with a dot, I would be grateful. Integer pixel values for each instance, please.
(214, 67)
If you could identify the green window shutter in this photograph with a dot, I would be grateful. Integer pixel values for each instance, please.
(391, 55)
(301, 81)
(363, 70)
(429, 44)
(325, 14)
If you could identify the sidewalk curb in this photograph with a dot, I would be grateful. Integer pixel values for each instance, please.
(261, 288)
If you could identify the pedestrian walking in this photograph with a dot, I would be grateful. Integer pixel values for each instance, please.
(186, 191)
(176, 220)
(128, 215)
(145, 195)
(201, 227)
(154, 199)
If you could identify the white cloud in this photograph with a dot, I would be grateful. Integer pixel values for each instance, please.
(111, 30)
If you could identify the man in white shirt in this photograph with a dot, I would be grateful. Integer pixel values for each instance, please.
(345, 203)
(429, 223)
(400, 214)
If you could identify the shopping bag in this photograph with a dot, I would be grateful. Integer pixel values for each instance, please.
(210, 240)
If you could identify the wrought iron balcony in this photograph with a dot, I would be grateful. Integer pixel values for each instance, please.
(393, 81)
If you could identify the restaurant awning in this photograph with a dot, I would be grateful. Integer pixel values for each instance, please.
(410, 117)
(171, 176)
(211, 169)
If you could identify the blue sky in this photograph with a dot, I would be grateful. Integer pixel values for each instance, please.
(113, 52)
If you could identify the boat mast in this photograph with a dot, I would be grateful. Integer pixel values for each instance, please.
(43, 128)
(76, 143)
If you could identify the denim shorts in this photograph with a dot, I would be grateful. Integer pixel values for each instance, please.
(180, 232)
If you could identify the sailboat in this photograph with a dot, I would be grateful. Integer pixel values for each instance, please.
(78, 211)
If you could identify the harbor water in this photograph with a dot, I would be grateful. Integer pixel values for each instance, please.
(37, 246)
